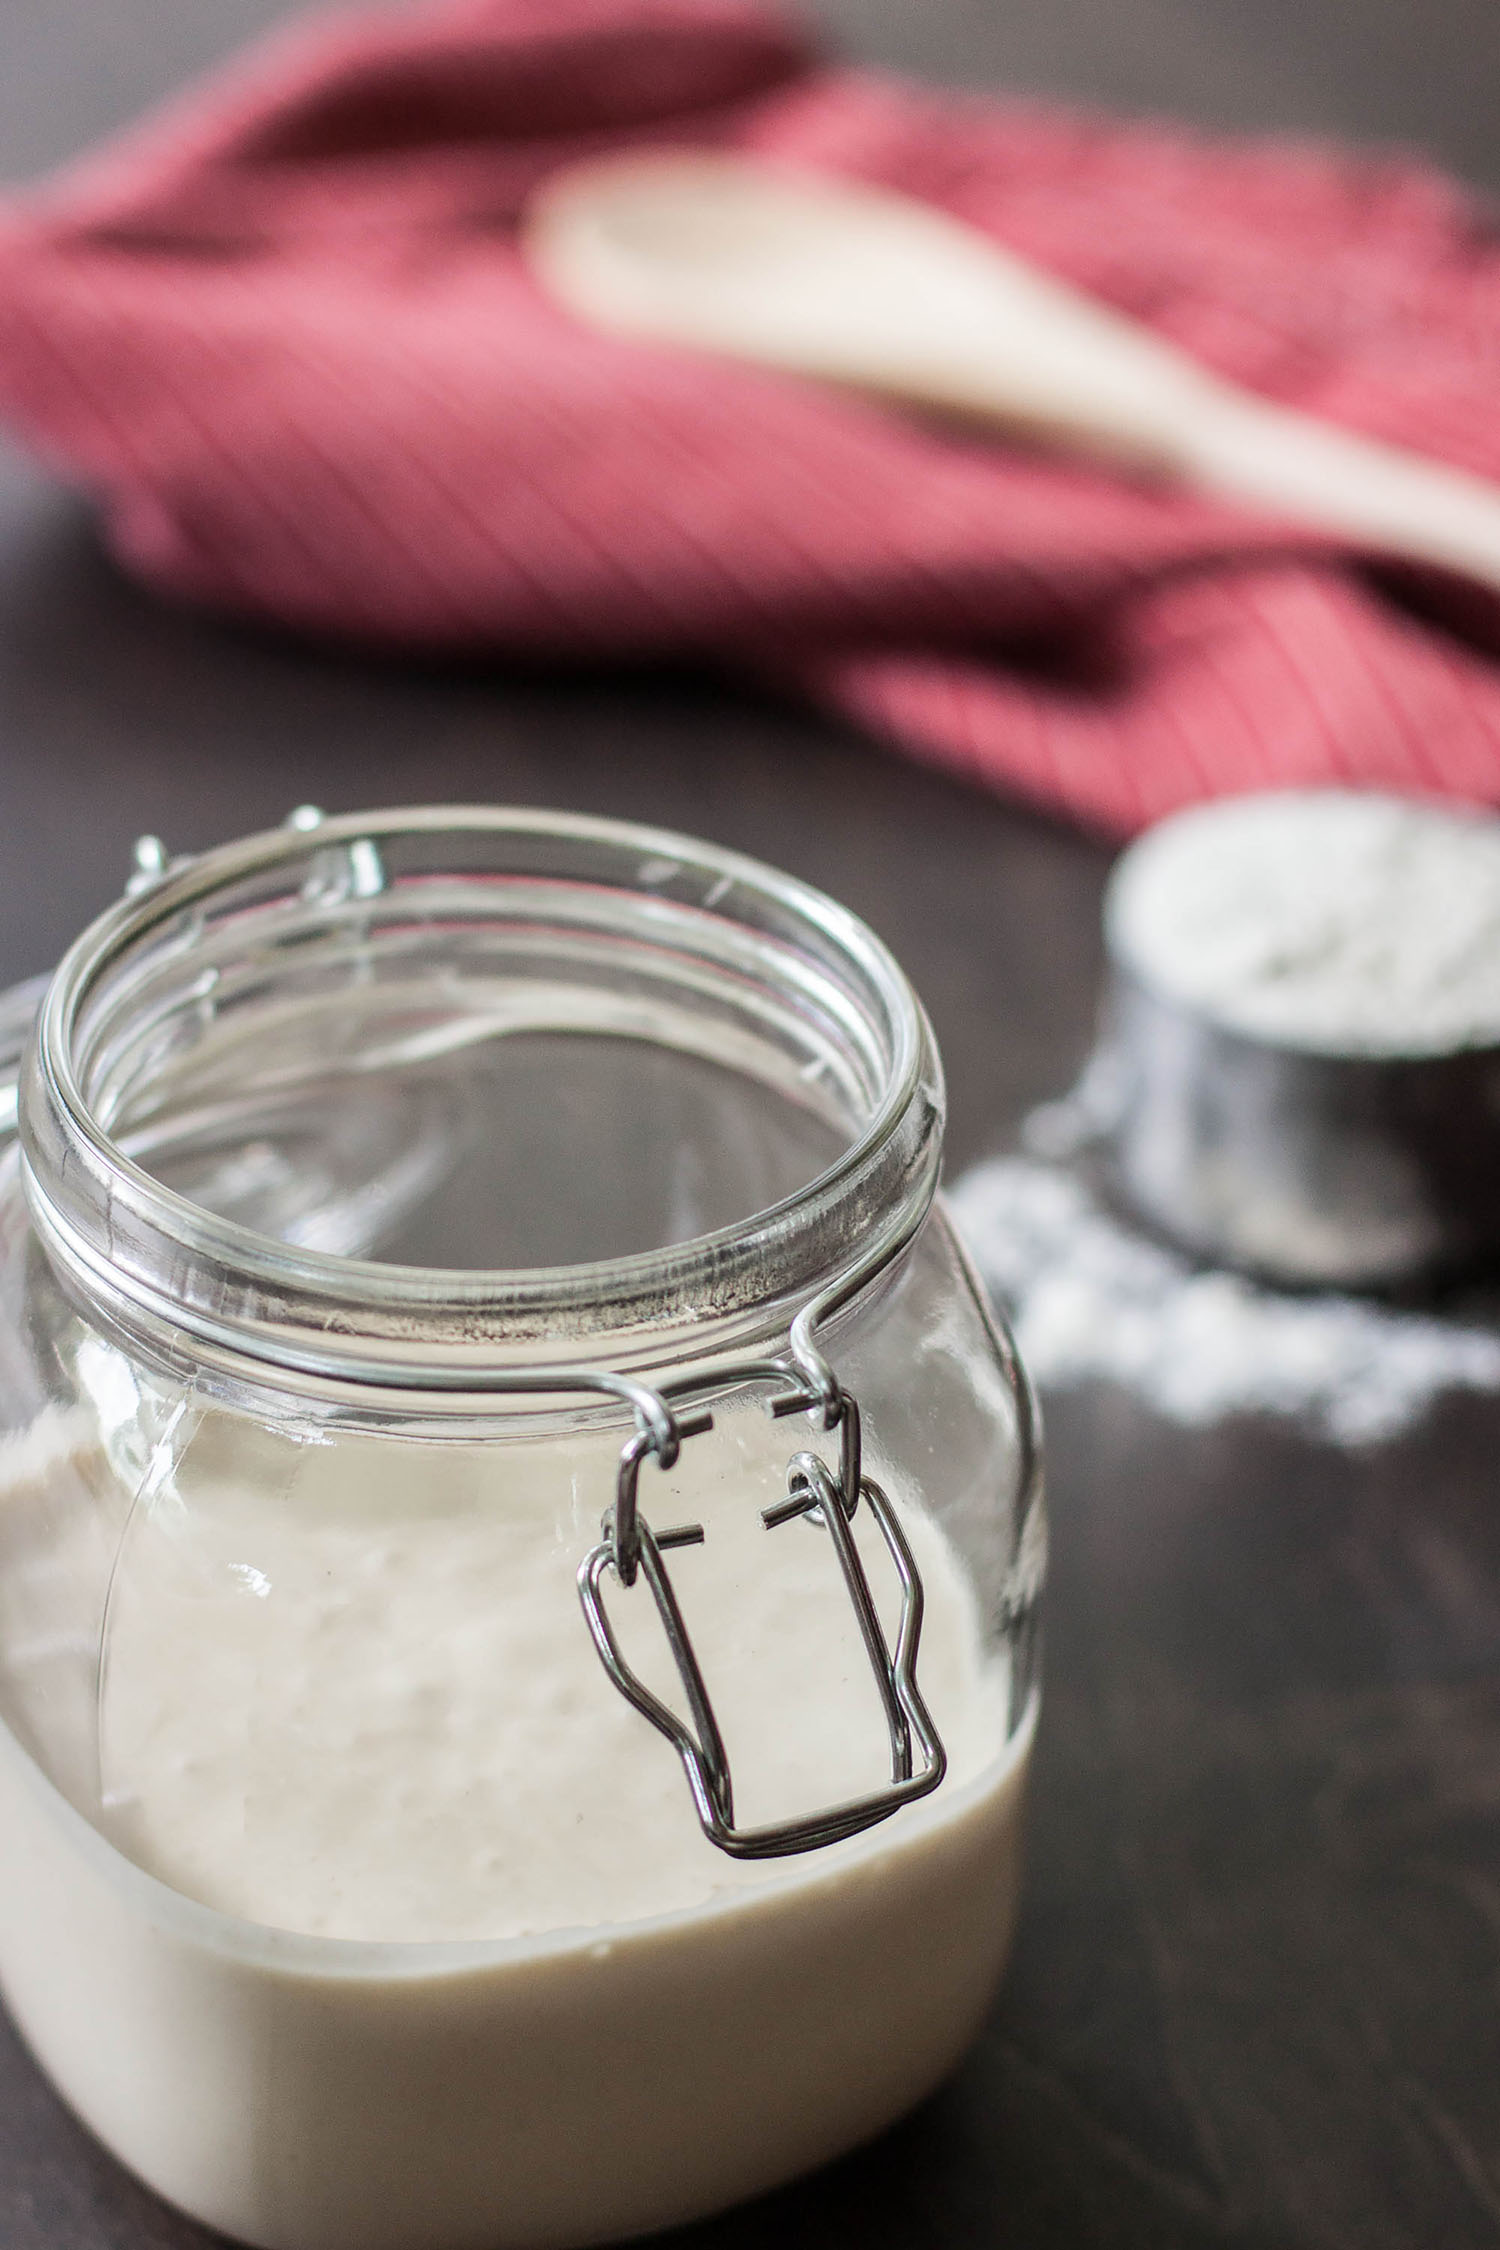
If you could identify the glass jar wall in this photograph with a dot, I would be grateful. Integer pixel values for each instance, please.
(379, 1184)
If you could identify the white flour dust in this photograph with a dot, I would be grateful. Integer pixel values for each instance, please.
(1348, 922)
(1090, 1301)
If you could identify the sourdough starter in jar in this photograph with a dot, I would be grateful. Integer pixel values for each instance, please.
(301, 1728)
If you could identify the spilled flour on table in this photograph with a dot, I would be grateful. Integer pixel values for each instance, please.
(1089, 1300)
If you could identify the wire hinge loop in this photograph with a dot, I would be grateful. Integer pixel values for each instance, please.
(629, 1548)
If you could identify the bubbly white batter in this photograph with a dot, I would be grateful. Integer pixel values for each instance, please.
(347, 1693)
(348, 1688)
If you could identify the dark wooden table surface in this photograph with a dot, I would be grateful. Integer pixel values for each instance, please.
(1256, 1997)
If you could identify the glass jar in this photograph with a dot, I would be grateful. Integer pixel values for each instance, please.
(521, 1537)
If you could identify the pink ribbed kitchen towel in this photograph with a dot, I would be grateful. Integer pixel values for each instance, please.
(284, 335)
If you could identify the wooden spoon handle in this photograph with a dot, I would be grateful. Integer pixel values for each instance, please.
(857, 285)
(1375, 496)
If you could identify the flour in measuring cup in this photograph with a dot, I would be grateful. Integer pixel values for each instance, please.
(1341, 921)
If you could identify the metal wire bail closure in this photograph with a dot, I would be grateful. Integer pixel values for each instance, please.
(630, 1548)
(201, 1287)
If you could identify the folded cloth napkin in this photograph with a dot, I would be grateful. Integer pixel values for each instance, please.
(284, 334)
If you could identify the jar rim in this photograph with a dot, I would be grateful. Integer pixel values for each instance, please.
(145, 1247)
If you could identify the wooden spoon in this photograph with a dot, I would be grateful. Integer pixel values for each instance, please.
(857, 285)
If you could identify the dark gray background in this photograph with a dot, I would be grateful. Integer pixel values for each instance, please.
(1420, 71)
(1256, 1998)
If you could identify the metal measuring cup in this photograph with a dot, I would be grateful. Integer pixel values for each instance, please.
(1299, 1163)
